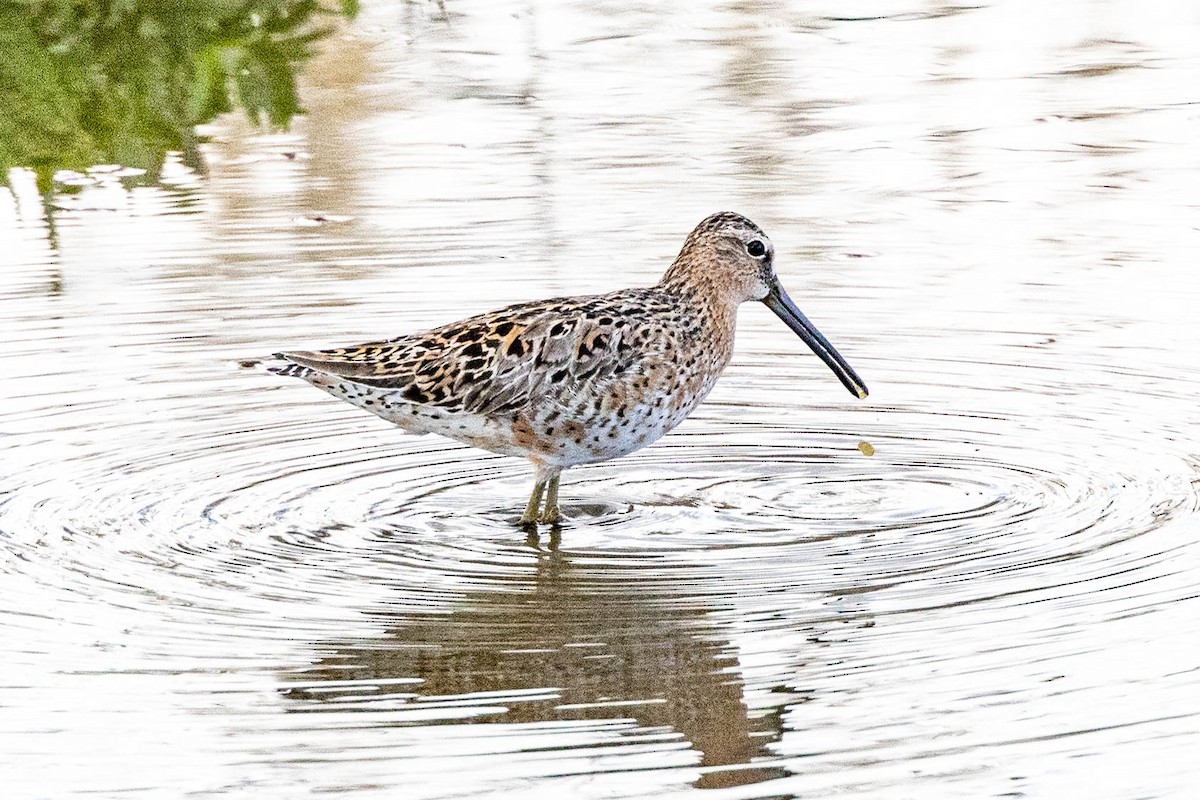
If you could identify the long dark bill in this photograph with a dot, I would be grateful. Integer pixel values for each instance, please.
(779, 302)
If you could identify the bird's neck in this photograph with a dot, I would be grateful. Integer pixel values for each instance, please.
(716, 304)
(712, 322)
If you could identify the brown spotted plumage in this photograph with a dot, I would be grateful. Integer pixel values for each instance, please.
(573, 380)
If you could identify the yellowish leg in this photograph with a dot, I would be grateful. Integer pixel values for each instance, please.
(550, 513)
(530, 517)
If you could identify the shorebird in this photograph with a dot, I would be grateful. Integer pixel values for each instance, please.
(574, 380)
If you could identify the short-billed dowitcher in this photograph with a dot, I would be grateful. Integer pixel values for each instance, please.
(574, 380)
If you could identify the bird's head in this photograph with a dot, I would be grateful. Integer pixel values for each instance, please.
(729, 259)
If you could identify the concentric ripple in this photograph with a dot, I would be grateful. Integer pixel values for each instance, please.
(397, 561)
(712, 611)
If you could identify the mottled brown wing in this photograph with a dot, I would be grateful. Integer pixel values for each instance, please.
(549, 351)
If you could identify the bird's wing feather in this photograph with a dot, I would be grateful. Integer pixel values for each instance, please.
(501, 361)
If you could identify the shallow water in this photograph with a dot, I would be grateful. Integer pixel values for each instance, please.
(223, 583)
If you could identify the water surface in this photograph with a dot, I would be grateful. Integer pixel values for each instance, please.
(220, 583)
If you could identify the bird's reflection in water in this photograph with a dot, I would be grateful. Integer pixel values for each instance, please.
(615, 643)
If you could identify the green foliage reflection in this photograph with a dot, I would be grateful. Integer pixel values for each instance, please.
(85, 82)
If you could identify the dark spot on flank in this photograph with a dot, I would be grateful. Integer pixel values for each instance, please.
(516, 349)
(584, 351)
(606, 320)
(415, 395)
(475, 363)
(503, 328)
(475, 349)
(470, 335)
(559, 376)
(558, 329)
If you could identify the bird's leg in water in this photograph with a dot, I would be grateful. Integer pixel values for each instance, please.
(550, 513)
(530, 517)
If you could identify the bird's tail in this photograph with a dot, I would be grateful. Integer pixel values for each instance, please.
(291, 370)
(288, 368)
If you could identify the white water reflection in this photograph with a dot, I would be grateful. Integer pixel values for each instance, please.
(220, 583)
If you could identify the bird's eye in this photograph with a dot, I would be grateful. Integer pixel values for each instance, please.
(756, 248)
